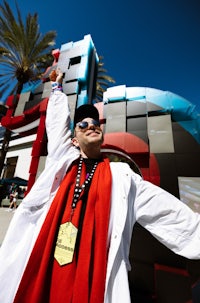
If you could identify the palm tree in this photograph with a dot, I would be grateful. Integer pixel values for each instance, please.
(24, 56)
(24, 52)
(103, 80)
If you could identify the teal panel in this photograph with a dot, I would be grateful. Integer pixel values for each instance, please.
(162, 101)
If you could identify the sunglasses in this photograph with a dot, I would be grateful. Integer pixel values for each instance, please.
(85, 124)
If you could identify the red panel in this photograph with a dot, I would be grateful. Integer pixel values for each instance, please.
(6, 120)
(43, 105)
(10, 100)
(126, 142)
(13, 122)
(34, 165)
(56, 54)
(37, 148)
(138, 150)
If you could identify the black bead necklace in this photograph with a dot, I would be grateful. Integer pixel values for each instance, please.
(80, 188)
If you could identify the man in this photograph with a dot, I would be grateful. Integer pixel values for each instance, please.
(69, 239)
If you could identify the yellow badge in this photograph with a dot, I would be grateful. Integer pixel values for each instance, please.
(65, 244)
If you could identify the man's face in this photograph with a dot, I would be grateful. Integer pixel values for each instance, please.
(88, 134)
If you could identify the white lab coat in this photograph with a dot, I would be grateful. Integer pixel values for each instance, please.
(132, 198)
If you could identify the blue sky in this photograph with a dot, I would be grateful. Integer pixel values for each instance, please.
(150, 43)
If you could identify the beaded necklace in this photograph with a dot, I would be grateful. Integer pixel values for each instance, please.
(80, 188)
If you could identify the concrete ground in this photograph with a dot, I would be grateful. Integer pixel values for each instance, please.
(5, 218)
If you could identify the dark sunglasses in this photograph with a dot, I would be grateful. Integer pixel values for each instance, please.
(85, 124)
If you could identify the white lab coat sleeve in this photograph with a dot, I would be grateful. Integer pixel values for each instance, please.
(61, 151)
(168, 219)
(58, 126)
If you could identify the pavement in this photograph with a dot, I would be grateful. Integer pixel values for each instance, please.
(5, 218)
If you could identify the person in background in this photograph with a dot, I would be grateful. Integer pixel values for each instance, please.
(78, 218)
(11, 190)
(13, 199)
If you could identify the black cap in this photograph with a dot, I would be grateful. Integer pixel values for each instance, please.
(85, 111)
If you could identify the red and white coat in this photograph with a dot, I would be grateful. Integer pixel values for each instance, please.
(132, 198)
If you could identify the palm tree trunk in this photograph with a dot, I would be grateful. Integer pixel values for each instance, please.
(4, 148)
